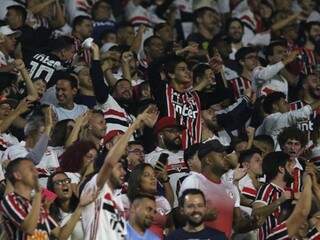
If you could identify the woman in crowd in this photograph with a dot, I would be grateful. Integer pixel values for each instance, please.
(77, 161)
(142, 180)
(65, 203)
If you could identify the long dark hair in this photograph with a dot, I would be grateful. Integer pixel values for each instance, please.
(134, 181)
(54, 208)
(60, 133)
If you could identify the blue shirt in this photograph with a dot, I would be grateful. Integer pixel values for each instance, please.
(133, 235)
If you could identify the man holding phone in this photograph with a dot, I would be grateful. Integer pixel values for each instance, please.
(168, 154)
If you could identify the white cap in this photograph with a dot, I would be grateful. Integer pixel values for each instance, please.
(6, 30)
(205, 4)
(106, 47)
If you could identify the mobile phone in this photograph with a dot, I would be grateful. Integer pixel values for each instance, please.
(48, 195)
(163, 158)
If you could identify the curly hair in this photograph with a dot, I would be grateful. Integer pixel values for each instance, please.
(72, 159)
(292, 133)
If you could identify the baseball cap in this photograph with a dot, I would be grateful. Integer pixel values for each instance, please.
(210, 146)
(166, 122)
(6, 30)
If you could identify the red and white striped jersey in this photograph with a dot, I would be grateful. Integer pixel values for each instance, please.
(14, 209)
(248, 190)
(279, 232)
(238, 85)
(267, 194)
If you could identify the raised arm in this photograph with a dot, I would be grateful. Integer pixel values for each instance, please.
(23, 107)
(26, 77)
(136, 43)
(63, 233)
(148, 117)
(302, 208)
(101, 90)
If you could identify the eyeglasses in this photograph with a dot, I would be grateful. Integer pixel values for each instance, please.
(62, 181)
(136, 151)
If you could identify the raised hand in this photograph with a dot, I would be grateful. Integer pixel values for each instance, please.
(88, 198)
(24, 106)
(19, 64)
(126, 57)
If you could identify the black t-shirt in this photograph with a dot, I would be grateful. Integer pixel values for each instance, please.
(206, 234)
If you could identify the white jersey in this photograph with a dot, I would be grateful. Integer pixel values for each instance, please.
(102, 220)
(268, 79)
(116, 117)
(247, 189)
(176, 167)
(63, 113)
(46, 166)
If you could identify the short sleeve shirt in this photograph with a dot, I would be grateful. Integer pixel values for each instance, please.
(15, 209)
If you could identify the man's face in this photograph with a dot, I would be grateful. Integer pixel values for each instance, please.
(250, 61)
(27, 173)
(123, 90)
(135, 154)
(292, 147)
(85, 28)
(98, 125)
(289, 168)
(126, 35)
(209, 117)
(219, 162)
(68, 53)
(312, 85)
(117, 176)
(13, 19)
(209, 20)
(10, 43)
(84, 78)
(172, 138)
(194, 209)
(263, 147)
(156, 48)
(194, 163)
(166, 34)
(103, 11)
(182, 74)
(255, 164)
(279, 54)
(62, 186)
(208, 77)
(314, 33)
(145, 211)
(235, 31)
(283, 105)
(64, 92)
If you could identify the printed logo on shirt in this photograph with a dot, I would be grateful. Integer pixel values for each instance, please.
(38, 235)
(116, 221)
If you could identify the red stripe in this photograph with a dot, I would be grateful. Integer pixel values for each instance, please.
(115, 112)
(251, 22)
(250, 191)
(198, 120)
(266, 194)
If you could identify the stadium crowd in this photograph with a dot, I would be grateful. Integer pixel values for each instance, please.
(159, 119)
